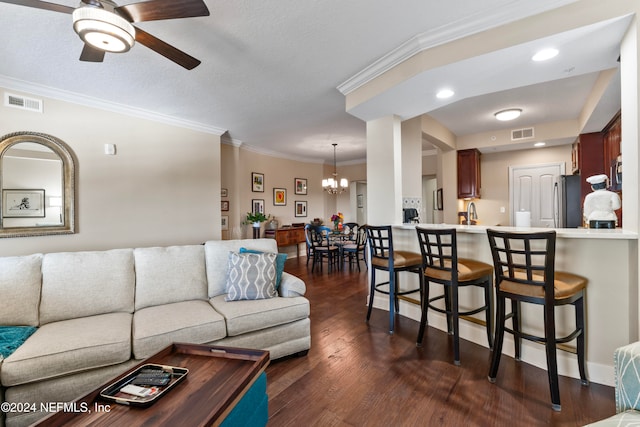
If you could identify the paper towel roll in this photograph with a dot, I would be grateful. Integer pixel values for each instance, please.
(523, 219)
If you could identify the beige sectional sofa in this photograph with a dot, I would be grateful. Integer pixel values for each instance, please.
(99, 313)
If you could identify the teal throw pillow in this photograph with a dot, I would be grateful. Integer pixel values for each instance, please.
(251, 276)
(280, 259)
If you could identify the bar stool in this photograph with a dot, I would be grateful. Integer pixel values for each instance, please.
(524, 264)
(385, 258)
(442, 266)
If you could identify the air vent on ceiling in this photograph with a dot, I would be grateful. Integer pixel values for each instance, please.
(22, 102)
(519, 134)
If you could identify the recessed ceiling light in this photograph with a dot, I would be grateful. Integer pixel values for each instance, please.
(545, 54)
(540, 144)
(510, 114)
(445, 93)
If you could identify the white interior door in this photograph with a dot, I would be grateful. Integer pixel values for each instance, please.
(535, 188)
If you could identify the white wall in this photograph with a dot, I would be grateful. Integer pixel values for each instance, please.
(237, 165)
(495, 178)
(162, 187)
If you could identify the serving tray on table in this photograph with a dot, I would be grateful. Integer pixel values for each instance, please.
(217, 379)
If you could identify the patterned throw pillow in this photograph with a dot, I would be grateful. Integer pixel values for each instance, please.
(251, 276)
(280, 260)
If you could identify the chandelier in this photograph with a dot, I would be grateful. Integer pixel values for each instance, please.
(330, 185)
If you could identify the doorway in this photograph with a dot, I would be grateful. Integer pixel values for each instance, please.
(535, 189)
(429, 185)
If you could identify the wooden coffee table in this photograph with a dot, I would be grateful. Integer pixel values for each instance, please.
(218, 378)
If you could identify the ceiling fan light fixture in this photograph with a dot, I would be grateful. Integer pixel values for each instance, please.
(510, 114)
(103, 30)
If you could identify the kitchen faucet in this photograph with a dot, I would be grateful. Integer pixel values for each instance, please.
(471, 212)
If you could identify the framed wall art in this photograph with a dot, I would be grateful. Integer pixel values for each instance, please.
(224, 205)
(257, 206)
(300, 185)
(300, 208)
(224, 192)
(23, 203)
(257, 182)
(279, 196)
(225, 222)
(439, 204)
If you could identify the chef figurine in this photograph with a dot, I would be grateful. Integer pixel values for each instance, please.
(600, 206)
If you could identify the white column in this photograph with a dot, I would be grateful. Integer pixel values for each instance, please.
(630, 83)
(412, 158)
(384, 171)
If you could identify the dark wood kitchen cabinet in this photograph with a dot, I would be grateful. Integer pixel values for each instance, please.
(469, 174)
(590, 159)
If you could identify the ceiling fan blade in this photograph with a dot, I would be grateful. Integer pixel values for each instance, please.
(91, 54)
(166, 50)
(41, 5)
(163, 9)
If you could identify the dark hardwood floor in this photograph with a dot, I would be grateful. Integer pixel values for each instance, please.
(356, 374)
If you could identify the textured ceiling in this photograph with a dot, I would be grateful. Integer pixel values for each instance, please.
(270, 70)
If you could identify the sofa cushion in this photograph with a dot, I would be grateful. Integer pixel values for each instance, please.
(251, 276)
(189, 321)
(81, 284)
(217, 256)
(20, 282)
(170, 274)
(246, 316)
(280, 260)
(69, 346)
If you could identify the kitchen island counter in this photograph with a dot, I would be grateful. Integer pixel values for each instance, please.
(568, 233)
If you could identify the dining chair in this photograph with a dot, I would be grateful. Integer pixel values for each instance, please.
(385, 257)
(442, 266)
(524, 265)
(350, 229)
(321, 248)
(353, 250)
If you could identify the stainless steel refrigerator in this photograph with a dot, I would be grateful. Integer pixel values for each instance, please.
(570, 202)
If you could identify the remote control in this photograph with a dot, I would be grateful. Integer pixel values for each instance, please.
(136, 391)
(152, 379)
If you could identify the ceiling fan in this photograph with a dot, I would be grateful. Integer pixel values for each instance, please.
(107, 27)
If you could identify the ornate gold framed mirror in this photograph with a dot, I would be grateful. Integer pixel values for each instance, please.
(37, 185)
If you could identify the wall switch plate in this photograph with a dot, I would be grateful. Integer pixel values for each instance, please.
(110, 149)
(502, 209)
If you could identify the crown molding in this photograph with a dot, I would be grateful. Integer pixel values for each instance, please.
(473, 24)
(271, 153)
(88, 101)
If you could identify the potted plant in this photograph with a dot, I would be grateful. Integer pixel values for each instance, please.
(255, 218)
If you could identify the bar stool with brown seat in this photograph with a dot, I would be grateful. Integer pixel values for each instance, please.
(442, 266)
(385, 258)
(524, 264)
